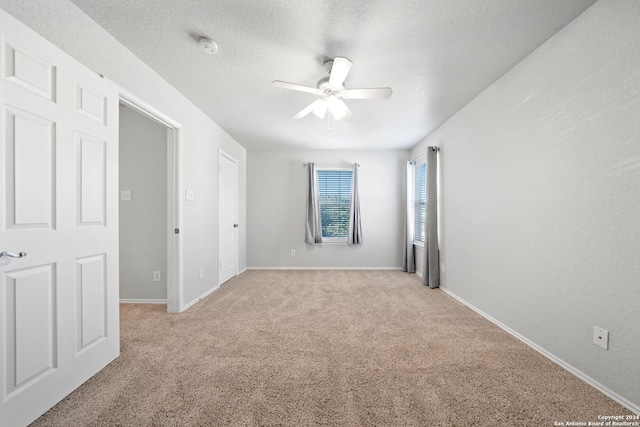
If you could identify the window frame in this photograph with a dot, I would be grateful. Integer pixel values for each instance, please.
(419, 201)
(328, 239)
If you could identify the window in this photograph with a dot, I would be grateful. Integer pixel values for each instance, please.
(420, 198)
(334, 198)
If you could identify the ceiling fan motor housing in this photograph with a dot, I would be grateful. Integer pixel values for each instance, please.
(325, 87)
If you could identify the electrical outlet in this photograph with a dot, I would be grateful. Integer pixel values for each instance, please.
(157, 276)
(442, 267)
(293, 252)
(601, 337)
(201, 272)
(125, 196)
(191, 194)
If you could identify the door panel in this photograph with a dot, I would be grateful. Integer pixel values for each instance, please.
(58, 203)
(91, 104)
(31, 326)
(91, 298)
(26, 69)
(30, 163)
(91, 186)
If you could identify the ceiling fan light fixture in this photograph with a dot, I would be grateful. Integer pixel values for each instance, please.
(320, 108)
(336, 107)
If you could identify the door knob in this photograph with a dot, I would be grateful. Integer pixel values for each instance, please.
(12, 255)
(235, 225)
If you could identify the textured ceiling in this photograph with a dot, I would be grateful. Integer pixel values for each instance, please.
(437, 55)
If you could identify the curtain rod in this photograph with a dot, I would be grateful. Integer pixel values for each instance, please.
(305, 164)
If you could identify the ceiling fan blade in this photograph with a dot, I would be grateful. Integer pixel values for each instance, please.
(371, 93)
(315, 107)
(293, 86)
(339, 71)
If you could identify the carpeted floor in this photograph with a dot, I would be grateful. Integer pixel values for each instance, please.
(339, 348)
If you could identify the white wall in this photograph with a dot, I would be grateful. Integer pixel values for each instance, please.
(143, 220)
(62, 23)
(540, 201)
(277, 203)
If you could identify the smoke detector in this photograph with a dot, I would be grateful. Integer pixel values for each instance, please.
(208, 45)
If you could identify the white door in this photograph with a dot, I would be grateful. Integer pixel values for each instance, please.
(58, 204)
(228, 250)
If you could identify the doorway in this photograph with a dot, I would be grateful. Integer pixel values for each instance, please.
(150, 240)
(228, 217)
(142, 176)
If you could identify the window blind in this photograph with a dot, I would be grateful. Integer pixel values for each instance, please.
(334, 198)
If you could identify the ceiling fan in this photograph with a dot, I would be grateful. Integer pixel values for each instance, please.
(332, 92)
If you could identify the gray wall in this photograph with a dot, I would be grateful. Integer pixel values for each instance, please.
(540, 201)
(62, 23)
(143, 220)
(277, 203)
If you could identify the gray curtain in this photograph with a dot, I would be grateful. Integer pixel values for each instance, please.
(431, 274)
(355, 227)
(409, 262)
(313, 226)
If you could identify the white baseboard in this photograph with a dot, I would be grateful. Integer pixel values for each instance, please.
(143, 301)
(584, 377)
(186, 306)
(324, 268)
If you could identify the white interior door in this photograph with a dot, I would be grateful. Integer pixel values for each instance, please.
(58, 204)
(228, 250)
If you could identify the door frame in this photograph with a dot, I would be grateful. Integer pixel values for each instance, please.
(175, 290)
(221, 153)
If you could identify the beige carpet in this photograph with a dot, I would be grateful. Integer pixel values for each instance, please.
(339, 348)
